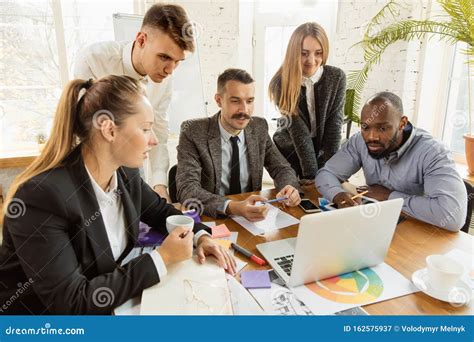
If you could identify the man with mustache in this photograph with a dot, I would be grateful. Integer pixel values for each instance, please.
(399, 161)
(226, 153)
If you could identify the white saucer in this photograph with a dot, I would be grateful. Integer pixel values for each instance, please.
(458, 295)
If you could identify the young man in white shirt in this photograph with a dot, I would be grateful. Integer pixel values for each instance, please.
(160, 45)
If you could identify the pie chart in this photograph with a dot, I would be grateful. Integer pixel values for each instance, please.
(358, 287)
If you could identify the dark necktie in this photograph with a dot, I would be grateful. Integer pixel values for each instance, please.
(235, 168)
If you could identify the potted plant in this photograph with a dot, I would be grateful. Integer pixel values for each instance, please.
(456, 25)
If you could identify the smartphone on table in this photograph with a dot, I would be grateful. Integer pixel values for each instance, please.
(309, 207)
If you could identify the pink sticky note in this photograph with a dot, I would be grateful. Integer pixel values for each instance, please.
(220, 231)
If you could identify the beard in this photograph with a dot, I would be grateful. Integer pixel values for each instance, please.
(392, 146)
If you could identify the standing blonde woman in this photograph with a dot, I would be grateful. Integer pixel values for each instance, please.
(80, 205)
(310, 96)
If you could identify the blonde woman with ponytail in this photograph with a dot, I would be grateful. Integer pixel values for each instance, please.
(80, 205)
(310, 96)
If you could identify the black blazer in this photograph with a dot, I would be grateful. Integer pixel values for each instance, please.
(56, 257)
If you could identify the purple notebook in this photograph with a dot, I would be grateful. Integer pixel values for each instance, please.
(148, 237)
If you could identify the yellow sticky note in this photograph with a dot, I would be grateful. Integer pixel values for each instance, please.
(224, 243)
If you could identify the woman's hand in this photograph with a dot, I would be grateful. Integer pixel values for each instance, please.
(207, 246)
(177, 246)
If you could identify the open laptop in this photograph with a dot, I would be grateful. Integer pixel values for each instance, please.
(334, 242)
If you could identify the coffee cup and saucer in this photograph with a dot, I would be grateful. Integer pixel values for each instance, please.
(443, 279)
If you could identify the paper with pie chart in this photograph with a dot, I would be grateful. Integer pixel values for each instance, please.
(369, 285)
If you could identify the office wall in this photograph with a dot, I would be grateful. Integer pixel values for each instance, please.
(225, 32)
(225, 40)
(399, 69)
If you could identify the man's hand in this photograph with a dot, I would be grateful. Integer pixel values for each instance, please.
(378, 192)
(207, 246)
(162, 190)
(304, 182)
(292, 194)
(248, 209)
(344, 200)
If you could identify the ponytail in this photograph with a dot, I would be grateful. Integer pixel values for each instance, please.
(74, 120)
(61, 141)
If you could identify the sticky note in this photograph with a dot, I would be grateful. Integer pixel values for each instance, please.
(220, 231)
(255, 279)
(224, 243)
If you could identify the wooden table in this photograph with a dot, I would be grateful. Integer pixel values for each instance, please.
(413, 242)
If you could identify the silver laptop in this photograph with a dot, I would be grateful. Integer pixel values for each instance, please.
(334, 242)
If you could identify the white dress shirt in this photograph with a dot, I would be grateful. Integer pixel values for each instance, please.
(115, 58)
(308, 83)
(113, 216)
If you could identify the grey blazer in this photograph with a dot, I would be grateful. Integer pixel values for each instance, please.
(293, 139)
(199, 161)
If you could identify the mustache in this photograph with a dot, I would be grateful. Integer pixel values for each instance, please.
(374, 143)
(241, 116)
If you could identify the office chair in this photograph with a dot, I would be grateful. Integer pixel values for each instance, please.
(173, 190)
(470, 198)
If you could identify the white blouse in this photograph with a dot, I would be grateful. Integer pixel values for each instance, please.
(308, 83)
(113, 216)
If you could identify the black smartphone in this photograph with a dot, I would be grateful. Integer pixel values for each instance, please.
(309, 207)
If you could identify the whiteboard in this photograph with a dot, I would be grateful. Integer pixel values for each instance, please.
(188, 96)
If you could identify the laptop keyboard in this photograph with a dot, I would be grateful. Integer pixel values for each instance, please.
(285, 262)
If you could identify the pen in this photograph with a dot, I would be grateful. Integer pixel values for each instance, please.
(274, 200)
(343, 202)
(248, 254)
(357, 196)
(183, 235)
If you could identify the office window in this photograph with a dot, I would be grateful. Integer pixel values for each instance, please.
(457, 108)
(29, 71)
(87, 21)
(32, 60)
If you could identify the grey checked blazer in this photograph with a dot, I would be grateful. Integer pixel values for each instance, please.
(199, 161)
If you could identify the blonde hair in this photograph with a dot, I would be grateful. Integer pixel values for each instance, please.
(285, 86)
(78, 108)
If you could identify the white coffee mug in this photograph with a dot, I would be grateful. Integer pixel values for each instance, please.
(175, 221)
(443, 272)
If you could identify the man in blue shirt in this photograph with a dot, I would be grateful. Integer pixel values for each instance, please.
(398, 161)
